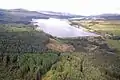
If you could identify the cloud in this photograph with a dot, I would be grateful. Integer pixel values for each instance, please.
(85, 7)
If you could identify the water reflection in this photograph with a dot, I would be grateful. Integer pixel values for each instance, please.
(60, 28)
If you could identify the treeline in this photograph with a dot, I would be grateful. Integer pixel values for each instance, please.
(21, 42)
(21, 39)
(55, 66)
(29, 66)
(89, 44)
(81, 66)
(21, 52)
(24, 56)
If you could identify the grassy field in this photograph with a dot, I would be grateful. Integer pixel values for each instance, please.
(106, 29)
(16, 28)
(114, 43)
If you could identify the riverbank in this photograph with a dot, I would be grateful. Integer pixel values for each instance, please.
(110, 30)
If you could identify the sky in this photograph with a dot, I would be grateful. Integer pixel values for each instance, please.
(82, 7)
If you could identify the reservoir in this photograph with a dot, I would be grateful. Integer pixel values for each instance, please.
(60, 28)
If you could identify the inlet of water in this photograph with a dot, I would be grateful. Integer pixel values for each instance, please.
(60, 28)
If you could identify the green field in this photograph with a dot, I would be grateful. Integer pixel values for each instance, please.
(114, 43)
(16, 28)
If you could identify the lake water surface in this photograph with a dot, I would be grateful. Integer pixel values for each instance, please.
(60, 28)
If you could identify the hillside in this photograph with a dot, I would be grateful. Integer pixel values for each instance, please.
(25, 16)
(106, 16)
(26, 54)
(19, 16)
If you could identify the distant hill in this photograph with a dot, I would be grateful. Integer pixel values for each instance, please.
(18, 16)
(25, 16)
(59, 14)
(99, 17)
(105, 16)
(109, 16)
